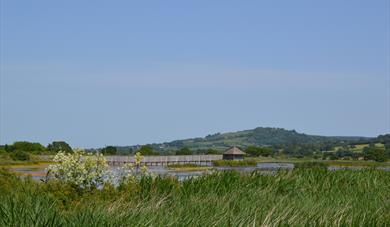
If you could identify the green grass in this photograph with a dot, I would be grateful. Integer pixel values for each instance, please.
(303, 197)
(311, 165)
(6, 161)
(281, 159)
(188, 167)
(235, 163)
(360, 147)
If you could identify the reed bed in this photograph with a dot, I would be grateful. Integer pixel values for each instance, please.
(302, 197)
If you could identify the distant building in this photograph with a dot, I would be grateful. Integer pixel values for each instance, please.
(234, 153)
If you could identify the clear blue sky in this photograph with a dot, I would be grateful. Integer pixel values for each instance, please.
(97, 73)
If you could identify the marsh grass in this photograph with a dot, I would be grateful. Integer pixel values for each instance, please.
(235, 163)
(188, 167)
(303, 197)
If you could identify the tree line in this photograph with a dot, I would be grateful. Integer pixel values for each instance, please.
(331, 150)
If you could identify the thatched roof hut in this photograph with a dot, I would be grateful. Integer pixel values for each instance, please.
(234, 153)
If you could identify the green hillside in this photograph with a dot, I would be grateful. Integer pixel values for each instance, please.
(254, 137)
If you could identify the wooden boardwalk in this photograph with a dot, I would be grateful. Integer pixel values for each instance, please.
(164, 160)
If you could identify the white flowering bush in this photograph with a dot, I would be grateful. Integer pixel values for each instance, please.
(80, 169)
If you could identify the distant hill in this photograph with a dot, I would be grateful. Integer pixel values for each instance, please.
(254, 137)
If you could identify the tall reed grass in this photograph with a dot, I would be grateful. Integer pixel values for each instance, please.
(303, 197)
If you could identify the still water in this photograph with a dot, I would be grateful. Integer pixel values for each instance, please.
(39, 172)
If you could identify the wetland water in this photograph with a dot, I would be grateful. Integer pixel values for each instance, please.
(39, 171)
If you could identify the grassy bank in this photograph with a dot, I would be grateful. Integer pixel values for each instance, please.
(188, 167)
(281, 159)
(301, 197)
(235, 163)
(7, 161)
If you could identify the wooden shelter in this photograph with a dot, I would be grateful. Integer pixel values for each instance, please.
(234, 153)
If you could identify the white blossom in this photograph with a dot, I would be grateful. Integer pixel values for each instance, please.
(79, 169)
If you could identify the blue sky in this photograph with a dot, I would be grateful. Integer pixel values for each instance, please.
(97, 73)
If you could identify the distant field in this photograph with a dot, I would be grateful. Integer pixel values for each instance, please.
(359, 147)
(362, 163)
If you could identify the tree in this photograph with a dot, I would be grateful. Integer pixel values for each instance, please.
(375, 153)
(257, 151)
(184, 151)
(109, 150)
(147, 150)
(7, 148)
(27, 147)
(57, 146)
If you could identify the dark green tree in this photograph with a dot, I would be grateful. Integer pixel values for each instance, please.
(109, 150)
(25, 146)
(57, 146)
(259, 151)
(375, 153)
(147, 150)
(7, 148)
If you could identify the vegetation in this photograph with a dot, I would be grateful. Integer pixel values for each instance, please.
(301, 197)
(376, 153)
(274, 137)
(58, 146)
(109, 150)
(311, 165)
(147, 150)
(188, 167)
(35, 148)
(20, 155)
(212, 151)
(6, 160)
(184, 151)
(235, 163)
(79, 169)
(265, 142)
(259, 151)
(24, 150)
(281, 143)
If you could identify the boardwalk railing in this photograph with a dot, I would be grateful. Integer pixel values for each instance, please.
(164, 160)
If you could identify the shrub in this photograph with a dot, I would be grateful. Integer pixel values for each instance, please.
(20, 156)
(79, 169)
